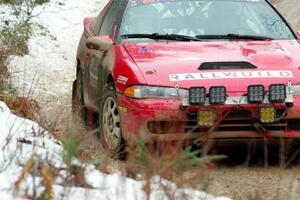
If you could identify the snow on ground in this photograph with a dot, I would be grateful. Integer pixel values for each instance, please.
(15, 151)
(8, 17)
(46, 74)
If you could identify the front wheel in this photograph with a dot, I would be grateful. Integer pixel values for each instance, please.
(109, 123)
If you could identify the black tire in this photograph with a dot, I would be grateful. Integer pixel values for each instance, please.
(115, 148)
(78, 107)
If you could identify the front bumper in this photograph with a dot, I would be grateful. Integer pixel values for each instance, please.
(174, 119)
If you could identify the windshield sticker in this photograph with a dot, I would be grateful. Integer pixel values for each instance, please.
(134, 3)
(224, 75)
(144, 50)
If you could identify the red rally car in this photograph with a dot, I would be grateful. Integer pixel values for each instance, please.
(214, 69)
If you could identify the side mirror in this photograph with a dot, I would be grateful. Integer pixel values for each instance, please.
(298, 34)
(100, 43)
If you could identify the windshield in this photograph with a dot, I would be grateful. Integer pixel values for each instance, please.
(204, 17)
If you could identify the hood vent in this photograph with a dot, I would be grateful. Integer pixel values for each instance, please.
(226, 65)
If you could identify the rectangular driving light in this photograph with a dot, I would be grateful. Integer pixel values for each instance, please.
(197, 95)
(267, 114)
(217, 95)
(206, 118)
(256, 93)
(277, 93)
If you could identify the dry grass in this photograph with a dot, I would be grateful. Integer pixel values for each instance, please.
(21, 106)
(4, 75)
(25, 171)
(47, 181)
(182, 166)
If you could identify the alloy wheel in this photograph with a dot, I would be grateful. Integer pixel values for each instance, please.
(111, 123)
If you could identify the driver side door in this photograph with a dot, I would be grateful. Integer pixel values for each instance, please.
(98, 61)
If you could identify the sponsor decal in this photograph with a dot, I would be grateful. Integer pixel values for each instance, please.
(144, 50)
(142, 2)
(235, 74)
(122, 80)
(190, 59)
(134, 3)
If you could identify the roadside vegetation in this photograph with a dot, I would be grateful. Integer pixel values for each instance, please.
(170, 171)
(15, 30)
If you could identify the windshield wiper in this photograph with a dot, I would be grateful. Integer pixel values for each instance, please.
(232, 36)
(157, 36)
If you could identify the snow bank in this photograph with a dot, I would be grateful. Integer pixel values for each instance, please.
(8, 18)
(14, 153)
(20, 138)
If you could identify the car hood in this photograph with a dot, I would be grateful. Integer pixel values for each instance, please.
(171, 63)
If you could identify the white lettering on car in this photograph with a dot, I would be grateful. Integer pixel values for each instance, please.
(122, 80)
(224, 75)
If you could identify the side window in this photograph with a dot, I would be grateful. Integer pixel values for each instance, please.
(111, 17)
(95, 27)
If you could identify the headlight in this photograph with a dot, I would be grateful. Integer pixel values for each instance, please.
(267, 114)
(145, 92)
(295, 90)
(217, 95)
(277, 93)
(256, 94)
(197, 95)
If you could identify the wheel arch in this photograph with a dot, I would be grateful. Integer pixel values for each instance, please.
(110, 79)
(78, 67)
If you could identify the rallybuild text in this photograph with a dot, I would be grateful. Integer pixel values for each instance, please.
(225, 75)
